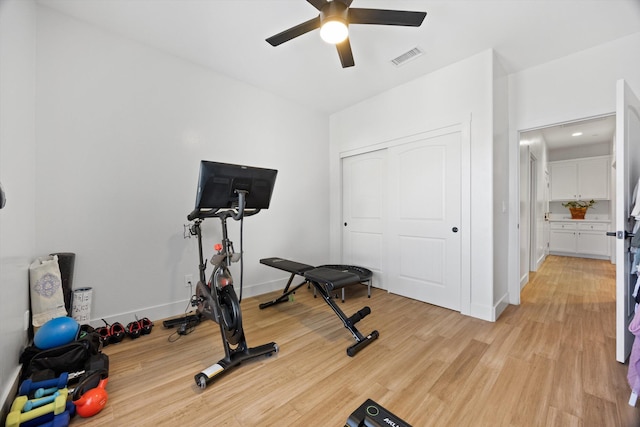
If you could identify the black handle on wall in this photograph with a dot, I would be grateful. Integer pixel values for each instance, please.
(620, 234)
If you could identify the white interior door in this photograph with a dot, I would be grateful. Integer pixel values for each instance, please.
(364, 212)
(627, 173)
(424, 202)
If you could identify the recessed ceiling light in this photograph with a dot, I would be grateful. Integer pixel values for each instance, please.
(576, 134)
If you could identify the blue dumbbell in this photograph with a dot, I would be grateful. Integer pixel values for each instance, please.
(29, 386)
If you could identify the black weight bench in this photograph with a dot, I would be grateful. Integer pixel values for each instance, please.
(325, 280)
(364, 274)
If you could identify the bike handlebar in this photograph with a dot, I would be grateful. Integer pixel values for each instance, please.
(235, 213)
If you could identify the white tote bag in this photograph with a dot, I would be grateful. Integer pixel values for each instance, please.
(47, 297)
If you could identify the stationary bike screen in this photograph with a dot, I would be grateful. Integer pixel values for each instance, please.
(219, 184)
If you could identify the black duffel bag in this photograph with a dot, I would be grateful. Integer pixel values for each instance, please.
(71, 357)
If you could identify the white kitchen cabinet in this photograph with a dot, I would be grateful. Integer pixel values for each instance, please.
(592, 239)
(578, 238)
(580, 179)
(562, 237)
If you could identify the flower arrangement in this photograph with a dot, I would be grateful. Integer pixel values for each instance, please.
(578, 208)
(579, 204)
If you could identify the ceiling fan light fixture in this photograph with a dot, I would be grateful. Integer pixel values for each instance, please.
(334, 31)
(335, 18)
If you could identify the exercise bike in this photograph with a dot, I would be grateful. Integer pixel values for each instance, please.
(216, 298)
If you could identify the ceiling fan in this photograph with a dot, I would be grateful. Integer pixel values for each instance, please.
(336, 16)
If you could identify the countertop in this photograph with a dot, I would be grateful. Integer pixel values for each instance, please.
(568, 219)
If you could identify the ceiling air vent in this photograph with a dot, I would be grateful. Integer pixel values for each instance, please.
(407, 56)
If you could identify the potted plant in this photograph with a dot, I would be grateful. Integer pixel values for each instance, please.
(578, 208)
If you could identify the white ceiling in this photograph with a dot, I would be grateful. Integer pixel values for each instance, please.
(592, 131)
(228, 36)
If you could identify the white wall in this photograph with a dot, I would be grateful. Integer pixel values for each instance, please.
(576, 86)
(571, 88)
(450, 95)
(532, 146)
(17, 174)
(121, 129)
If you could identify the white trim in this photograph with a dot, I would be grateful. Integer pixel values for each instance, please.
(440, 129)
(154, 313)
(482, 312)
(500, 306)
(566, 122)
(515, 281)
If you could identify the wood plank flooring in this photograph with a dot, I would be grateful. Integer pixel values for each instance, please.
(548, 362)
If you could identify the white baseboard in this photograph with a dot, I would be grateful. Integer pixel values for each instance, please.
(154, 313)
(482, 312)
(573, 254)
(500, 306)
(178, 308)
(488, 313)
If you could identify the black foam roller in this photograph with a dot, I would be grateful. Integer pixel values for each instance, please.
(66, 262)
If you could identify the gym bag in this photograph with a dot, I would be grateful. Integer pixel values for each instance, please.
(70, 357)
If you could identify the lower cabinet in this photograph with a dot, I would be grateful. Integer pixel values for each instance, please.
(579, 238)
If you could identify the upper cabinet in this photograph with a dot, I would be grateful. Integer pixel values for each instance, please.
(580, 179)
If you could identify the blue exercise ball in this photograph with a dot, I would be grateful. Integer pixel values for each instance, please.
(56, 332)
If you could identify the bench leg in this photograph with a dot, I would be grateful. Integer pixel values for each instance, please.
(349, 322)
(343, 297)
(285, 294)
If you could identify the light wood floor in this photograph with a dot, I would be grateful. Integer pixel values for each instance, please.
(548, 362)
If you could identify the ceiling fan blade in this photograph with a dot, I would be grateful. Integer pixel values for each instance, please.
(319, 4)
(293, 32)
(345, 54)
(345, 2)
(386, 17)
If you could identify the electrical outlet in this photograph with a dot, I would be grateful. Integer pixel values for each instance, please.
(188, 280)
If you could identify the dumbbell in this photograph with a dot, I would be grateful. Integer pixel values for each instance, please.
(41, 392)
(28, 386)
(60, 420)
(49, 419)
(24, 404)
(34, 403)
(17, 417)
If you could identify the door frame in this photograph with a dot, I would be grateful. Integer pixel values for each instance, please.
(627, 167)
(533, 217)
(464, 127)
(515, 285)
